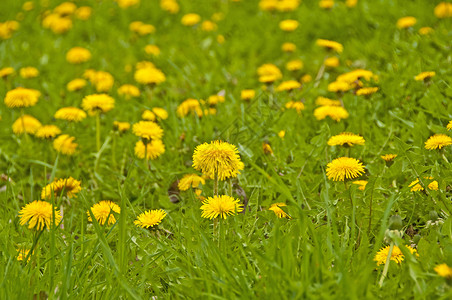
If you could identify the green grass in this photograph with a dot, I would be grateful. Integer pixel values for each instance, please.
(326, 250)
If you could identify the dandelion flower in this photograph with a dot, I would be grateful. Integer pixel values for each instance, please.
(189, 106)
(190, 180)
(148, 115)
(366, 91)
(339, 86)
(128, 91)
(127, 3)
(388, 157)
(415, 186)
(39, 215)
(83, 13)
(152, 150)
(121, 126)
(103, 210)
(149, 76)
(424, 76)
(222, 206)
(70, 186)
(443, 10)
(76, 84)
(326, 4)
(21, 97)
(288, 47)
(65, 144)
(344, 168)
(297, 105)
(22, 254)
(170, 6)
(217, 158)
(70, 114)
(425, 30)
(208, 26)
(96, 103)
(147, 130)
(276, 208)
(362, 184)
(160, 113)
(331, 62)
(433, 185)
(288, 25)
(449, 125)
(406, 22)
(294, 65)
(28, 72)
(78, 55)
(152, 50)
(396, 254)
(269, 73)
(47, 131)
(282, 134)
(336, 113)
(288, 86)
(190, 19)
(330, 45)
(215, 99)
(247, 94)
(150, 218)
(322, 101)
(438, 141)
(346, 139)
(5, 72)
(27, 124)
(444, 270)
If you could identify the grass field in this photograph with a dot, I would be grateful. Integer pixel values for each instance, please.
(309, 212)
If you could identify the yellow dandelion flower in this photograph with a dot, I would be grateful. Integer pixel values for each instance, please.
(288, 25)
(336, 113)
(306, 78)
(28, 72)
(276, 208)
(322, 101)
(249, 94)
(355, 75)
(222, 206)
(331, 62)
(288, 86)
(189, 106)
(443, 10)
(5, 72)
(39, 215)
(65, 9)
(208, 26)
(362, 184)
(282, 134)
(127, 3)
(78, 55)
(388, 157)
(121, 126)
(148, 115)
(149, 76)
(339, 86)
(47, 131)
(433, 185)
(346, 139)
(103, 81)
(424, 76)
(152, 150)
(344, 168)
(415, 186)
(269, 73)
(330, 45)
(190, 180)
(97, 103)
(21, 97)
(215, 99)
(128, 91)
(351, 3)
(326, 4)
(150, 218)
(160, 113)
(267, 148)
(83, 13)
(27, 124)
(288, 47)
(406, 22)
(147, 130)
(444, 270)
(152, 50)
(76, 84)
(70, 186)
(294, 65)
(449, 125)
(396, 255)
(190, 19)
(22, 254)
(425, 30)
(366, 91)
(170, 6)
(65, 144)
(217, 158)
(103, 210)
(70, 114)
(297, 105)
(438, 141)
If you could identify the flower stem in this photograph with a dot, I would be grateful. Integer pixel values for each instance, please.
(215, 185)
(353, 212)
(386, 268)
(113, 151)
(98, 131)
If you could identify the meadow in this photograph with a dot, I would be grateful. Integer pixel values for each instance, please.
(225, 149)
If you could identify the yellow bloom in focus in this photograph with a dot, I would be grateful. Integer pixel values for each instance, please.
(444, 270)
(28, 72)
(443, 10)
(297, 105)
(288, 47)
(326, 4)
(267, 148)
(103, 210)
(128, 91)
(346, 139)
(5, 72)
(47, 132)
(330, 45)
(366, 91)
(78, 55)
(336, 113)
(294, 65)
(362, 184)
(152, 50)
(150, 218)
(152, 150)
(288, 86)
(70, 186)
(170, 6)
(217, 158)
(65, 144)
(208, 26)
(388, 157)
(121, 126)
(249, 94)
(322, 101)
(39, 215)
(190, 19)
(190, 180)
(189, 106)
(425, 30)
(424, 76)
(276, 208)
(21, 97)
(147, 130)
(98, 103)
(70, 114)
(149, 76)
(288, 25)
(27, 124)
(282, 134)
(438, 141)
(222, 206)
(396, 254)
(406, 22)
(344, 168)
(268, 73)
(76, 84)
